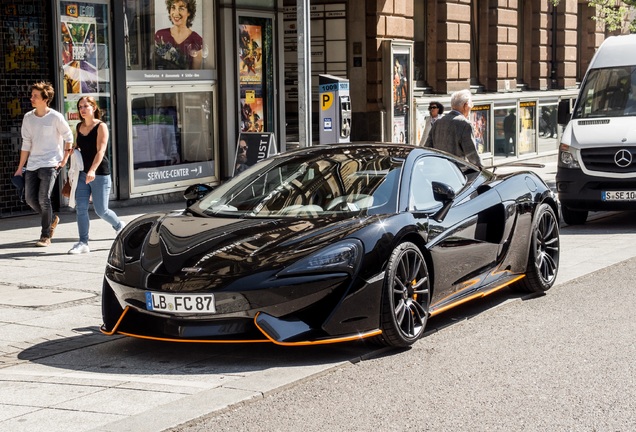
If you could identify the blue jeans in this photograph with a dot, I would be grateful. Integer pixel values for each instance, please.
(38, 186)
(100, 189)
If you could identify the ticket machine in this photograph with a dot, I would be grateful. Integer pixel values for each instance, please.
(335, 109)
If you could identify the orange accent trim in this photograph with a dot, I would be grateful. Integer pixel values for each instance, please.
(320, 342)
(228, 341)
(476, 295)
(192, 340)
(112, 332)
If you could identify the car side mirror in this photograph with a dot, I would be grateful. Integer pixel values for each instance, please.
(445, 194)
(195, 192)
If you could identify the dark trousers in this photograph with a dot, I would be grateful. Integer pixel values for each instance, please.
(37, 192)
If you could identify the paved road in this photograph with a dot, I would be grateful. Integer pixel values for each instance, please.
(58, 372)
(559, 362)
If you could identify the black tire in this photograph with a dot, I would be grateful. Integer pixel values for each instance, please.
(573, 217)
(111, 310)
(543, 258)
(405, 297)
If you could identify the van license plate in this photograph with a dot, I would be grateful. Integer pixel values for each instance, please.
(619, 196)
(180, 303)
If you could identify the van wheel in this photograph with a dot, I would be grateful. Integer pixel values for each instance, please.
(573, 217)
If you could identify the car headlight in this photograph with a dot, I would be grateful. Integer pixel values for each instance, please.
(340, 257)
(116, 255)
(567, 157)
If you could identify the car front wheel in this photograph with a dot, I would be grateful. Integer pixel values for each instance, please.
(406, 297)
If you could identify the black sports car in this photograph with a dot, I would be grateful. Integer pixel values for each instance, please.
(330, 244)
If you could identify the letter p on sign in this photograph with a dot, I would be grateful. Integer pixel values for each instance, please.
(326, 99)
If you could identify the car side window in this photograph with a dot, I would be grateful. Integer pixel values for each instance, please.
(427, 170)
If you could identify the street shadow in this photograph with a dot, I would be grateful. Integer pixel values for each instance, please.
(603, 223)
(92, 351)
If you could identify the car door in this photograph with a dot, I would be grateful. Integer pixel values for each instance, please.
(464, 238)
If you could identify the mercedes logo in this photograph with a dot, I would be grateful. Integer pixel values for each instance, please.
(623, 158)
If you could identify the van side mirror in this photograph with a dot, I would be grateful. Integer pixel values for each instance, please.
(564, 112)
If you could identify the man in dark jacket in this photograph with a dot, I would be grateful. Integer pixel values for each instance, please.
(453, 133)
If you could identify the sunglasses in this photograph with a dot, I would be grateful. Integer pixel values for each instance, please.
(432, 108)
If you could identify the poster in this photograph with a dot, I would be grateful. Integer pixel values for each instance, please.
(480, 118)
(79, 53)
(527, 127)
(252, 148)
(252, 114)
(400, 93)
(171, 52)
(250, 55)
(255, 73)
(399, 127)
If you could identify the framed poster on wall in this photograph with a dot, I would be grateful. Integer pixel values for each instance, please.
(255, 73)
(399, 94)
(480, 118)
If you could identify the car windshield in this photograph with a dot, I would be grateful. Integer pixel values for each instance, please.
(609, 92)
(340, 182)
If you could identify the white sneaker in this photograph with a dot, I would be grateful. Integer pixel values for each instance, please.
(123, 224)
(79, 248)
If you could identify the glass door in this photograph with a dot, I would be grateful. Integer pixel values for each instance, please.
(84, 40)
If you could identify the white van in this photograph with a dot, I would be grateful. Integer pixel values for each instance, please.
(597, 156)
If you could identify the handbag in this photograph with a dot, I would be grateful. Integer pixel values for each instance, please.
(66, 189)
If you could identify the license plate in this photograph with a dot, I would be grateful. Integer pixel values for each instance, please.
(619, 196)
(180, 303)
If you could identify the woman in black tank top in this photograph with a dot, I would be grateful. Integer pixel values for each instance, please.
(94, 180)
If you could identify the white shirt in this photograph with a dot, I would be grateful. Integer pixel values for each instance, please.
(44, 138)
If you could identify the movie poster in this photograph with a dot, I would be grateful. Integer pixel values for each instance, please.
(527, 127)
(79, 54)
(400, 91)
(252, 114)
(250, 55)
(480, 118)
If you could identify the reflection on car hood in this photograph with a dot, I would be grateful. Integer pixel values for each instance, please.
(182, 244)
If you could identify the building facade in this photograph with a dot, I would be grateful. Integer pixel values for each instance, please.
(179, 109)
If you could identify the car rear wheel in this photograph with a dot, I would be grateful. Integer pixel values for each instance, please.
(573, 217)
(405, 297)
(543, 259)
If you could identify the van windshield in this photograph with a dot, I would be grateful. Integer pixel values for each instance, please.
(609, 92)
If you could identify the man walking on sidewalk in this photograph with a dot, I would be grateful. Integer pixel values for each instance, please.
(47, 141)
(454, 133)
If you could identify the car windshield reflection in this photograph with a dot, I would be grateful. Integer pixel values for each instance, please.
(316, 185)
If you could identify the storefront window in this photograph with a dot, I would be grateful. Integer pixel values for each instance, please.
(505, 131)
(527, 127)
(169, 35)
(172, 140)
(548, 127)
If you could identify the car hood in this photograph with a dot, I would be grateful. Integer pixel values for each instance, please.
(187, 246)
(616, 131)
